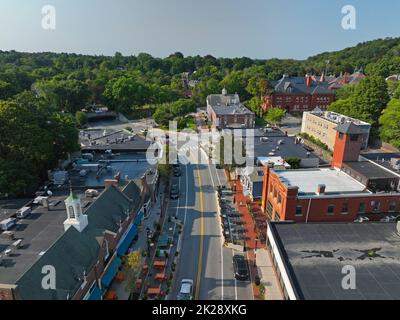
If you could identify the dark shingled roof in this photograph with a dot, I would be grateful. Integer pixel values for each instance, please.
(75, 252)
(298, 85)
(315, 254)
(349, 128)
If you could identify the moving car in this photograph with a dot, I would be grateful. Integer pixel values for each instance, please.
(174, 191)
(240, 267)
(186, 291)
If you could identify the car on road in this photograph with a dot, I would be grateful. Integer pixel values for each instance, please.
(186, 291)
(176, 171)
(240, 267)
(174, 194)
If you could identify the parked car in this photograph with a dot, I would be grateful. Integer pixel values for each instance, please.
(174, 191)
(389, 219)
(186, 291)
(23, 212)
(240, 267)
(7, 224)
(362, 219)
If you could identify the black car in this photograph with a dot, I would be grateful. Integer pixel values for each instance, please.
(177, 172)
(174, 191)
(240, 268)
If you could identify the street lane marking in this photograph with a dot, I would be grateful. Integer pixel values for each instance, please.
(201, 238)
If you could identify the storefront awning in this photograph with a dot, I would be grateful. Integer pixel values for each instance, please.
(96, 294)
(111, 272)
(130, 235)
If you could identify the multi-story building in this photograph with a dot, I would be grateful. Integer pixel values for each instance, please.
(299, 94)
(350, 188)
(321, 125)
(225, 111)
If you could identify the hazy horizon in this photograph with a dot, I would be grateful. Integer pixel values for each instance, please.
(259, 29)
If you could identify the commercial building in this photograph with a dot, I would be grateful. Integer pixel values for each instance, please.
(225, 111)
(252, 179)
(82, 235)
(311, 260)
(277, 144)
(321, 125)
(299, 94)
(349, 189)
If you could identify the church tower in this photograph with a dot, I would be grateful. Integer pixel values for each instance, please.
(75, 217)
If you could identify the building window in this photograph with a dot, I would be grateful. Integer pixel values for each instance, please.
(376, 206)
(361, 207)
(345, 208)
(269, 208)
(279, 199)
(275, 193)
(271, 189)
(340, 136)
(299, 211)
(331, 209)
(392, 206)
(353, 137)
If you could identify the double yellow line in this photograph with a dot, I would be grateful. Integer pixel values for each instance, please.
(199, 267)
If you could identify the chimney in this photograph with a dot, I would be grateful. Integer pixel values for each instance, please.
(111, 182)
(321, 189)
(308, 80)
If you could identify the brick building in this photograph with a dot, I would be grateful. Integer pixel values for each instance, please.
(298, 94)
(349, 189)
(225, 111)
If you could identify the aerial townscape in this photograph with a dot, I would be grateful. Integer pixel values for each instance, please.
(196, 177)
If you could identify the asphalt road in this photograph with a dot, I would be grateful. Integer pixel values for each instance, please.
(203, 258)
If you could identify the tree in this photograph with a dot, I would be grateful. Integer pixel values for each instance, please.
(133, 264)
(275, 115)
(81, 118)
(390, 123)
(126, 92)
(5, 89)
(67, 95)
(294, 162)
(366, 101)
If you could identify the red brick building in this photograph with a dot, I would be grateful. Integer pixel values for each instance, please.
(347, 190)
(225, 111)
(298, 94)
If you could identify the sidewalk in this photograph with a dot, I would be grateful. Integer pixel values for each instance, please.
(256, 251)
(141, 244)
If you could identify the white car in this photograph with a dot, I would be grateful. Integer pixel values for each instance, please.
(186, 292)
(362, 219)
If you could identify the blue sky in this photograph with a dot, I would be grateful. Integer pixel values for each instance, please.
(228, 28)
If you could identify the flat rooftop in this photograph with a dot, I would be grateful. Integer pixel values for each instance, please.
(38, 233)
(116, 140)
(129, 165)
(383, 159)
(336, 182)
(316, 253)
(287, 149)
(370, 170)
(338, 118)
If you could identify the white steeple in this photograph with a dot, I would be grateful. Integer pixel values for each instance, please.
(75, 217)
